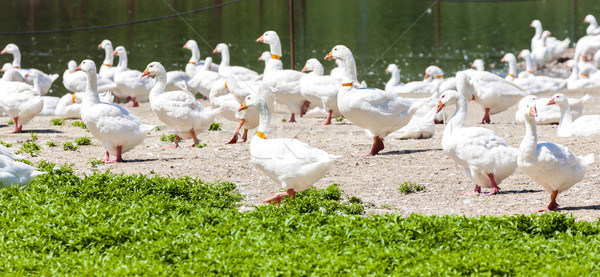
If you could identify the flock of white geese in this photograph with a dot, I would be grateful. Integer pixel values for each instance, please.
(247, 97)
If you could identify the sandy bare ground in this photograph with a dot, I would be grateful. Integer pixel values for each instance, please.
(374, 179)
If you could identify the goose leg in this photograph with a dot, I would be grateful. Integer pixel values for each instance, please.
(134, 103)
(236, 132)
(276, 199)
(305, 106)
(106, 157)
(495, 188)
(176, 143)
(119, 157)
(377, 146)
(17, 128)
(245, 135)
(328, 120)
(196, 140)
(486, 117)
(292, 118)
(553, 206)
(477, 190)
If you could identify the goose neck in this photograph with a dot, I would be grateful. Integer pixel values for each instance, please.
(195, 55)
(264, 115)
(528, 64)
(349, 69)
(108, 55)
(528, 146)
(318, 70)
(160, 85)
(225, 56)
(122, 62)
(16, 59)
(91, 89)
(512, 67)
(457, 120)
(275, 47)
(565, 116)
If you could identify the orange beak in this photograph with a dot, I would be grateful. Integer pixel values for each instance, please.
(531, 25)
(304, 69)
(503, 60)
(472, 65)
(260, 39)
(115, 53)
(243, 106)
(520, 56)
(100, 46)
(185, 45)
(533, 111)
(551, 102)
(386, 70)
(215, 50)
(426, 76)
(329, 56)
(146, 73)
(4, 51)
(260, 58)
(549, 33)
(585, 21)
(440, 106)
(78, 68)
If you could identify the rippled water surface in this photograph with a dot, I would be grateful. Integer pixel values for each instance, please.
(410, 33)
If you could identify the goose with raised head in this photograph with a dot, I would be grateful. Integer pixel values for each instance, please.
(532, 84)
(484, 155)
(69, 105)
(293, 164)
(117, 128)
(195, 63)
(585, 125)
(46, 80)
(129, 81)
(556, 48)
(225, 69)
(107, 69)
(320, 89)
(550, 165)
(478, 65)
(20, 101)
(375, 110)
(489, 90)
(75, 81)
(542, 55)
(593, 29)
(550, 114)
(435, 75)
(178, 109)
(204, 79)
(284, 82)
(265, 57)
(393, 85)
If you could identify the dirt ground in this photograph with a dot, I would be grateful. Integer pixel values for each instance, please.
(373, 179)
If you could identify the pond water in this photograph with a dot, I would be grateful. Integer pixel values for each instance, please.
(410, 33)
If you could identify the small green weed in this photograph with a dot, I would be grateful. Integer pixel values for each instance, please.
(6, 143)
(50, 143)
(68, 146)
(339, 119)
(406, 188)
(156, 128)
(200, 145)
(79, 124)
(94, 161)
(283, 120)
(57, 122)
(10, 121)
(83, 140)
(34, 137)
(170, 138)
(30, 146)
(25, 162)
(215, 127)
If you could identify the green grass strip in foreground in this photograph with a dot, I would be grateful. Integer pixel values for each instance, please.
(107, 224)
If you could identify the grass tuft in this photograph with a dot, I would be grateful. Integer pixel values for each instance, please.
(69, 146)
(406, 188)
(57, 122)
(169, 138)
(83, 141)
(215, 126)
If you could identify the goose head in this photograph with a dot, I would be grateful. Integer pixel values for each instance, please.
(252, 101)
(526, 100)
(72, 65)
(558, 99)
(524, 54)
(190, 44)
(12, 74)
(391, 68)
(528, 110)
(508, 57)
(478, 64)
(153, 69)
(269, 37)
(87, 66)
(586, 70)
(310, 65)
(265, 56)
(535, 24)
(449, 97)
(433, 72)
(120, 51)
(5, 67)
(589, 19)
(220, 48)
(105, 43)
(11, 48)
(339, 52)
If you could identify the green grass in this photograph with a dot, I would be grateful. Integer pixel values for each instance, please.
(215, 126)
(57, 122)
(5, 143)
(30, 146)
(169, 138)
(116, 225)
(79, 124)
(50, 143)
(406, 188)
(94, 161)
(83, 141)
(69, 146)
(10, 121)
(200, 145)
(339, 119)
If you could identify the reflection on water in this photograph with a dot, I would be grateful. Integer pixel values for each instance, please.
(466, 31)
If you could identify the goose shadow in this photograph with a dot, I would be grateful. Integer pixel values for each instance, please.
(152, 160)
(589, 207)
(520, 191)
(404, 152)
(43, 131)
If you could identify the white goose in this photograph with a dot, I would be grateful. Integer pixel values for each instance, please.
(75, 81)
(435, 75)
(478, 65)
(46, 80)
(4, 151)
(117, 129)
(532, 84)
(178, 109)
(550, 114)
(285, 83)
(586, 125)
(291, 163)
(593, 29)
(556, 48)
(130, 81)
(393, 85)
(542, 54)
(320, 89)
(485, 156)
(422, 123)
(20, 101)
(195, 63)
(265, 57)
(490, 91)
(551, 165)
(14, 173)
(337, 72)
(69, 105)
(226, 70)
(204, 79)
(377, 111)
(107, 69)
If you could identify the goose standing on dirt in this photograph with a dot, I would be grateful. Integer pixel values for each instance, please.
(195, 63)
(117, 129)
(75, 81)
(204, 79)
(586, 125)
(550, 114)
(46, 80)
(489, 90)
(130, 81)
(377, 111)
(285, 83)
(485, 156)
(178, 109)
(20, 101)
(225, 69)
(551, 165)
(293, 164)
(320, 89)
